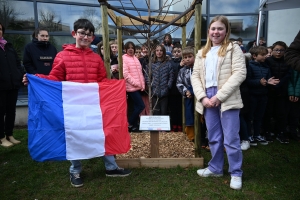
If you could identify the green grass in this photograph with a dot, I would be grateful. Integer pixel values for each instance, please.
(270, 172)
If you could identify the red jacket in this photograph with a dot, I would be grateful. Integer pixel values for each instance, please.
(77, 65)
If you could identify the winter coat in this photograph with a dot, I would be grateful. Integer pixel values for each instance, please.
(77, 65)
(11, 71)
(294, 84)
(132, 72)
(183, 82)
(280, 70)
(292, 54)
(38, 57)
(255, 72)
(162, 78)
(231, 72)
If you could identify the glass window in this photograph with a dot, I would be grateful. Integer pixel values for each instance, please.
(60, 18)
(233, 6)
(17, 15)
(59, 41)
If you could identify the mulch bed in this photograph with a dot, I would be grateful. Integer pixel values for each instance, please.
(171, 145)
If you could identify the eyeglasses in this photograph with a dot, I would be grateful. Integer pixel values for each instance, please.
(279, 50)
(83, 34)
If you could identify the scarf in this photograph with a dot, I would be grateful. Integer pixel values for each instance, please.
(2, 43)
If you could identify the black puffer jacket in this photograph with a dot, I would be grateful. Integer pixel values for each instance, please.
(11, 71)
(176, 68)
(255, 72)
(282, 71)
(38, 57)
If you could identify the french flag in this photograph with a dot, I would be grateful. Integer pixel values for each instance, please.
(73, 121)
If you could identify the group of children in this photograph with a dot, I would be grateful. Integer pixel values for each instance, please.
(270, 93)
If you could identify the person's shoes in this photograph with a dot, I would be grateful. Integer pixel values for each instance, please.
(75, 179)
(282, 139)
(260, 139)
(252, 141)
(245, 145)
(206, 173)
(6, 143)
(13, 140)
(133, 129)
(119, 172)
(236, 182)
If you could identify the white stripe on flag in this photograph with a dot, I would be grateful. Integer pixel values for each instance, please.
(83, 121)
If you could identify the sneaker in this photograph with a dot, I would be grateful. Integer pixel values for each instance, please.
(260, 139)
(236, 182)
(252, 141)
(119, 172)
(245, 144)
(206, 173)
(281, 138)
(75, 179)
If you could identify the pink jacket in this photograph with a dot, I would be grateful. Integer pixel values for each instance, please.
(132, 72)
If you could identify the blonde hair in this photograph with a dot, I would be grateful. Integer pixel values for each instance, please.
(225, 42)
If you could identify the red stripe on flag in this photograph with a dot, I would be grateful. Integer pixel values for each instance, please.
(114, 113)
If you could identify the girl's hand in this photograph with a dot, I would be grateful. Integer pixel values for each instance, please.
(215, 101)
(206, 102)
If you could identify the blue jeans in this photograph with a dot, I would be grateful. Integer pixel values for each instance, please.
(138, 107)
(109, 161)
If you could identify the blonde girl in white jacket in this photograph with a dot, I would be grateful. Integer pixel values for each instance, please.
(219, 70)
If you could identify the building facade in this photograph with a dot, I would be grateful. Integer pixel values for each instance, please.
(21, 17)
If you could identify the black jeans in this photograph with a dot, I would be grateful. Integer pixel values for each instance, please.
(276, 108)
(258, 104)
(8, 101)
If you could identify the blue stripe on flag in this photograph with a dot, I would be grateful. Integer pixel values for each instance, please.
(46, 138)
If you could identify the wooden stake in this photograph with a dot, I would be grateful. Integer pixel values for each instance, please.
(154, 144)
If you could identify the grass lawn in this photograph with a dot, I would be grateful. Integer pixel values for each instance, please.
(270, 172)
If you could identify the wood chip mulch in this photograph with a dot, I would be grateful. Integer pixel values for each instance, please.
(171, 145)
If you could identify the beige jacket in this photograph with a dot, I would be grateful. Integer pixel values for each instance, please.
(231, 73)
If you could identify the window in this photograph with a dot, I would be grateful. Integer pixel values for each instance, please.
(15, 18)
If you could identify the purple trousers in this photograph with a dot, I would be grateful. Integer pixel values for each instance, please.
(223, 131)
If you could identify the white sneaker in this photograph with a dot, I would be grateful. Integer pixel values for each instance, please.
(6, 143)
(13, 140)
(206, 173)
(245, 144)
(236, 182)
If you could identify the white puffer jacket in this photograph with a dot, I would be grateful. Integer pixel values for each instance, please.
(231, 73)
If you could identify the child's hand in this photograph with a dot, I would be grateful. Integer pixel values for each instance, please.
(273, 81)
(215, 101)
(182, 63)
(263, 81)
(25, 80)
(206, 102)
(293, 99)
(188, 94)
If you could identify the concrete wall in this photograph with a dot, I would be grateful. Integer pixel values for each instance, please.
(21, 116)
(283, 25)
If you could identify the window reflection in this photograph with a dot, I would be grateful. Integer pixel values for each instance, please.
(14, 18)
(60, 18)
(233, 6)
